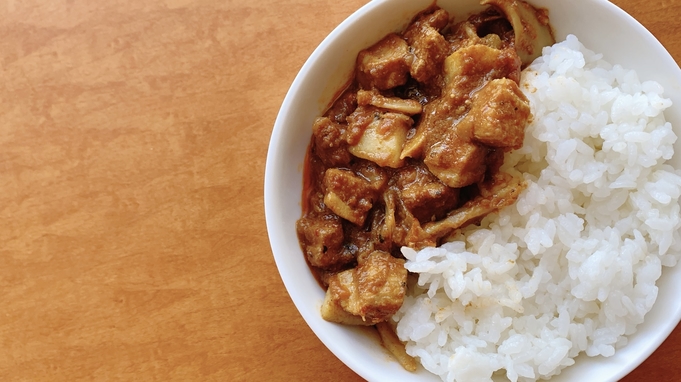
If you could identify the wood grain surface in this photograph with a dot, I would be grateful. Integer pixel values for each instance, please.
(133, 137)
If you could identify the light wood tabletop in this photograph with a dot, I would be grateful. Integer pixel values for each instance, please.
(133, 137)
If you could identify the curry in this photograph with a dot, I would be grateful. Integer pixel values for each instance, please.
(411, 151)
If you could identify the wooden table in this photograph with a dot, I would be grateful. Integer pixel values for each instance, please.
(133, 137)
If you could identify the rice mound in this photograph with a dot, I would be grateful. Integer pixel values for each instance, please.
(572, 266)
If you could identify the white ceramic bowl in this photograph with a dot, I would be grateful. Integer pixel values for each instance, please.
(599, 24)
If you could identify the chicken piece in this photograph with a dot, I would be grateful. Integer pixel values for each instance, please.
(329, 142)
(332, 310)
(470, 67)
(429, 47)
(499, 114)
(456, 161)
(348, 195)
(361, 241)
(364, 239)
(372, 173)
(385, 64)
(321, 239)
(503, 190)
(399, 105)
(343, 106)
(381, 135)
(374, 290)
(423, 194)
(530, 25)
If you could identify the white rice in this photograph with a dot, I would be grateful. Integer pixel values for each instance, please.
(572, 266)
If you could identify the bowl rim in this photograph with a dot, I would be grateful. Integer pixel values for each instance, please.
(273, 153)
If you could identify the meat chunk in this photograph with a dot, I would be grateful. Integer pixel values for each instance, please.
(381, 135)
(446, 135)
(373, 291)
(428, 46)
(423, 194)
(499, 114)
(470, 67)
(348, 195)
(385, 64)
(465, 71)
(372, 173)
(321, 239)
(343, 106)
(329, 142)
(456, 161)
(332, 310)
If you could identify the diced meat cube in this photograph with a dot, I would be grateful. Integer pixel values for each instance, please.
(348, 195)
(470, 67)
(332, 310)
(499, 114)
(384, 65)
(455, 162)
(428, 46)
(423, 194)
(382, 284)
(359, 120)
(381, 135)
(374, 174)
(322, 241)
(343, 106)
(373, 291)
(329, 142)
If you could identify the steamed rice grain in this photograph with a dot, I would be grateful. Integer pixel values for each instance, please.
(571, 267)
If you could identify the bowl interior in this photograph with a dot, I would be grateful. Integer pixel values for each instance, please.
(600, 25)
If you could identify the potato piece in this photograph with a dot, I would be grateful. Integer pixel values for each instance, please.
(383, 140)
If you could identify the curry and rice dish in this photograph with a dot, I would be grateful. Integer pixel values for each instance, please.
(480, 200)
